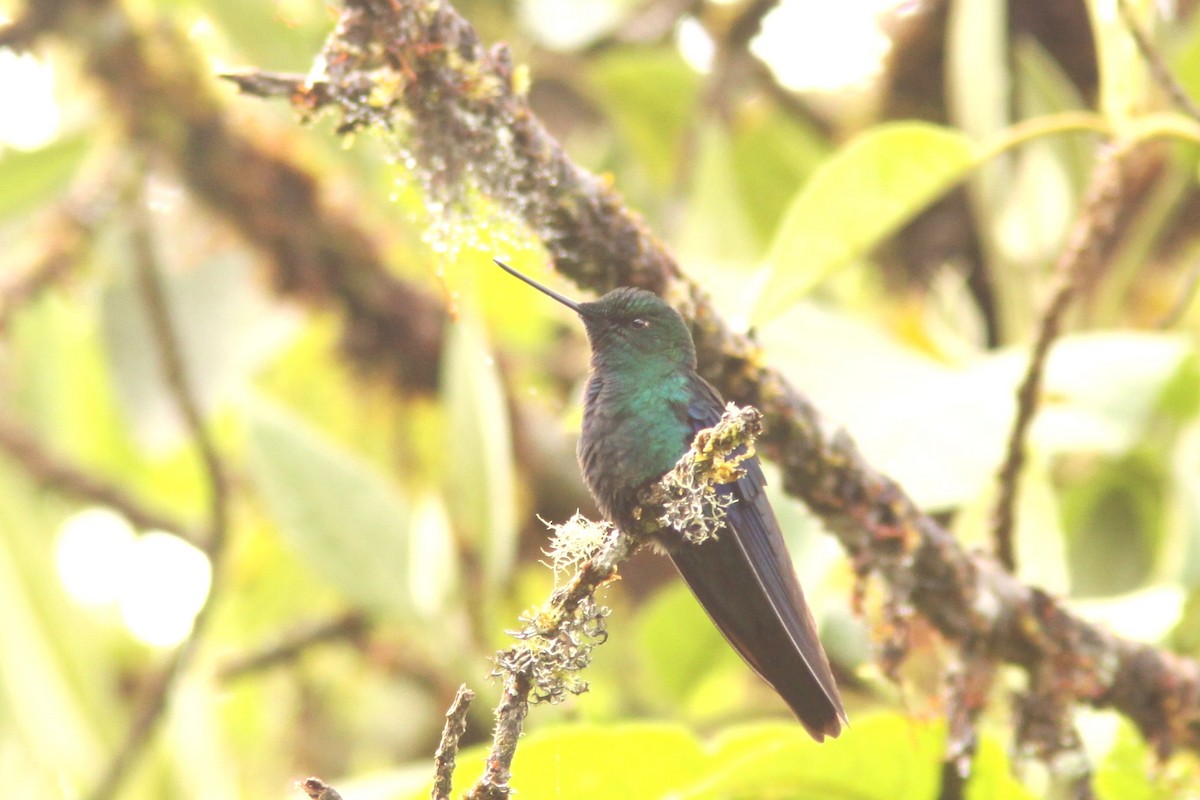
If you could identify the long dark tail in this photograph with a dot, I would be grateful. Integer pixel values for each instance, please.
(745, 581)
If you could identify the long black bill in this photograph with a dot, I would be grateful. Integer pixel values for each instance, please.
(571, 304)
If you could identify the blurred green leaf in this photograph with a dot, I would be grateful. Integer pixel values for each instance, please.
(883, 757)
(272, 35)
(345, 519)
(477, 474)
(29, 179)
(631, 760)
(1101, 390)
(678, 644)
(50, 676)
(1124, 74)
(863, 193)
(60, 379)
(991, 774)
(716, 228)
(880, 758)
(224, 328)
(1124, 774)
(1102, 387)
(1184, 59)
(1114, 524)
(773, 153)
(651, 97)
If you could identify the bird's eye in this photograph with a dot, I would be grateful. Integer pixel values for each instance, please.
(639, 323)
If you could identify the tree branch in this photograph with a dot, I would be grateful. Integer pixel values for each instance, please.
(555, 642)
(1092, 229)
(1157, 64)
(420, 69)
(447, 751)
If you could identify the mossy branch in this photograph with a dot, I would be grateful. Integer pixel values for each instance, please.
(555, 642)
(420, 71)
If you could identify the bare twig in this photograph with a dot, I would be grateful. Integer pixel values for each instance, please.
(447, 751)
(510, 719)
(555, 643)
(154, 698)
(1089, 234)
(564, 633)
(1158, 65)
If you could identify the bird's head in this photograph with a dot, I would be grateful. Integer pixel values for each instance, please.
(629, 328)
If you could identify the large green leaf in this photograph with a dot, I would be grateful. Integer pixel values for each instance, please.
(857, 198)
(342, 517)
(679, 645)
(478, 473)
(880, 758)
(631, 761)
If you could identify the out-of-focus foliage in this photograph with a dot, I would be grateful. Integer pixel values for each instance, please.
(801, 211)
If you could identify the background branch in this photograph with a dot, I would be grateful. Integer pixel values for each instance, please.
(1092, 230)
(152, 703)
(53, 472)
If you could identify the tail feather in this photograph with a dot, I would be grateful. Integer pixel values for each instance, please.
(745, 581)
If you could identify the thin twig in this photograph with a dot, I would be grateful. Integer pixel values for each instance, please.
(1158, 65)
(524, 675)
(510, 719)
(447, 751)
(556, 641)
(292, 645)
(1091, 230)
(317, 789)
(153, 701)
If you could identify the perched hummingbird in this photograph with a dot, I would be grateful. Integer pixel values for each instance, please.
(643, 404)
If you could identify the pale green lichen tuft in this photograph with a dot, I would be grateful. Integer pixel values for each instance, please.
(555, 642)
(554, 648)
(572, 543)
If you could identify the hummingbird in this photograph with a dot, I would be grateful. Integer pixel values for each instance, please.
(643, 404)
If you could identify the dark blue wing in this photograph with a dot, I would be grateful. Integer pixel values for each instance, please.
(745, 581)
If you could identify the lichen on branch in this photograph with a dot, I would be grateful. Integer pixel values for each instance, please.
(555, 642)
